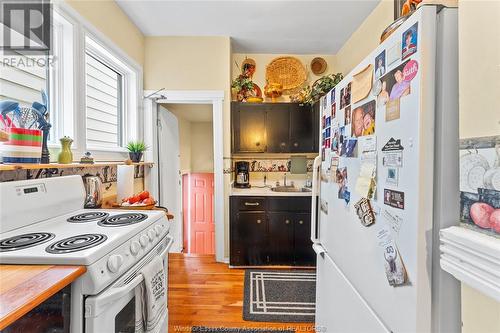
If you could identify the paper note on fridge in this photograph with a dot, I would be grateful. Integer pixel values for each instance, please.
(363, 182)
(395, 270)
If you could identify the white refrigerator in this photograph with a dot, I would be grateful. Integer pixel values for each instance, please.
(390, 135)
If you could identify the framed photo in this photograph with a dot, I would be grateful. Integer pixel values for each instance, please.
(409, 42)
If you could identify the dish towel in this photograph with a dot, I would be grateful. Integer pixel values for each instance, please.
(154, 296)
(139, 324)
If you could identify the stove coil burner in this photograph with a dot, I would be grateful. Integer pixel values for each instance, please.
(123, 220)
(20, 242)
(88, 217)
(76, 243)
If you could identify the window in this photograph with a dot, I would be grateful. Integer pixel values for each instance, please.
(25, 75)
(93, 87)
(110, 98)
(104, 103)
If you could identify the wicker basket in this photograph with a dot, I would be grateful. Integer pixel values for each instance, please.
(288, 71)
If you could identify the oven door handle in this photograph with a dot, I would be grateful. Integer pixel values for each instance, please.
(95, 305)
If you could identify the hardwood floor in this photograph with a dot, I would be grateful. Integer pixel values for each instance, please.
(202, 292)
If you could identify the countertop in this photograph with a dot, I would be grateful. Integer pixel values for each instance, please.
(256, 191)
(24, 287)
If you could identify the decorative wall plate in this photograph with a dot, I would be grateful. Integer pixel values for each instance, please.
(287, 71)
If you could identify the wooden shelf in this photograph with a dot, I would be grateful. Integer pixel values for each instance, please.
(11, 167)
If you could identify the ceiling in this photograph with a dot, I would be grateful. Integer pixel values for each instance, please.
(286, 26)
(191, 112)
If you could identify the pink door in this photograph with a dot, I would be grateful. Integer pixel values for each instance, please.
(198, 203)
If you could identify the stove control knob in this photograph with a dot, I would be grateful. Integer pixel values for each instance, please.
(158, 229)
(135, 247)
(144, 240)
(114, 263)
(151, 234)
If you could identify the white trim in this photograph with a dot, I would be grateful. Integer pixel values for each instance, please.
(215, 98)
(473, 258)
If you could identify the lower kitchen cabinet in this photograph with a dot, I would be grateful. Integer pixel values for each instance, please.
(248, 238)
(275, 232)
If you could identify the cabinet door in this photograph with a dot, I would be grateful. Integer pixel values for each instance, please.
(281, 238)
(249, 128)
(302, 127)
(278, 129)
(303, 252)
(249, 239)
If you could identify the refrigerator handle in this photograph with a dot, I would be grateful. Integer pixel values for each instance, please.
(314, 199)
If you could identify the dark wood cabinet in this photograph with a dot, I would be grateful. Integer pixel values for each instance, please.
(278, 130)
(250, 230)
(302, 123)
(271, 231)
(249, 128)
(274, 128)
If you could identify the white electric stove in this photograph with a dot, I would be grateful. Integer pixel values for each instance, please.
(43, 222)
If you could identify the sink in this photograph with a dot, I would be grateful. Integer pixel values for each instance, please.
(290, 189)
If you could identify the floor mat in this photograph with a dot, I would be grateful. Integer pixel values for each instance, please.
(285, 296)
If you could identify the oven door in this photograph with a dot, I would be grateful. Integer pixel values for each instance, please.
(113, 310)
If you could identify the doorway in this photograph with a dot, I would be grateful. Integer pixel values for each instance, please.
(159, 179)
(186, 143)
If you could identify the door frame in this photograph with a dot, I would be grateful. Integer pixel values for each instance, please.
(214, 97)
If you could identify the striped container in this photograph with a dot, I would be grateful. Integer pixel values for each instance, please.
(23, 146)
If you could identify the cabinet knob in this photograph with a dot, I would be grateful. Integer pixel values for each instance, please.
(295, 144)
(301, 222)
(259, 221)
(287, 221)
(257, 144)
(282, 145)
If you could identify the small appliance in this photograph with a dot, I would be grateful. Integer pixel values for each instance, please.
(242, 175)
(93, 190)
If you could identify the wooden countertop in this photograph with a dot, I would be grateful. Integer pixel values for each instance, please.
(10, 167)
(23, 287)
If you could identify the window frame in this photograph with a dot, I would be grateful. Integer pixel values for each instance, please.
(132, 89)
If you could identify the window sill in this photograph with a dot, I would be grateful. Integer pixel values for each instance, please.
(12, 167)
(472, 258)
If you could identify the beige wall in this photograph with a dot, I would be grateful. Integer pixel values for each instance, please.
(107, 17)
(479, 56)
(480, 314)
(202, 147)
(262, 60)
(196, 147)
(479, 100)
(366, 38)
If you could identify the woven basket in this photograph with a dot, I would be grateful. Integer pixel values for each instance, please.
(288, 71)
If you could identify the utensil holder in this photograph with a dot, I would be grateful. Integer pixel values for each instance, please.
(23, 146)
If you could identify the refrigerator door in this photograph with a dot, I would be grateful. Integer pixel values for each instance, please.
(353, 248)
(339, 307)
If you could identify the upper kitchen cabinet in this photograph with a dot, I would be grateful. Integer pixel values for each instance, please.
(278, 129)
(304, 123)
(248, 127)
(274, 128)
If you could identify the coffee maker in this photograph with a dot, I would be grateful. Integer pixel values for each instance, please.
(242, 175)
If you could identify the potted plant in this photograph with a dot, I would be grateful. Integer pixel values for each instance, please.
(135, 150)
(319, 88)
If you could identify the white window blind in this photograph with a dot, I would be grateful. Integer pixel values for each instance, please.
(103, 104)
(22, 79)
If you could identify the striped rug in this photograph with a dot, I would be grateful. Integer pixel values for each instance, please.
(279, 295)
